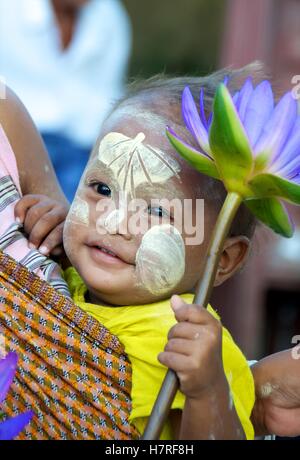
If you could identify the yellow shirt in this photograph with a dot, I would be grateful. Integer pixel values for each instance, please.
(143, 330)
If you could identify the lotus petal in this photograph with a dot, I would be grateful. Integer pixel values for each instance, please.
(199, 161)
(272, 213)
(8, 368)
(277, 129)
(12, 426)
(268, 185)
(229, 142)
(244, 96)
(258, 111)
(192, 120)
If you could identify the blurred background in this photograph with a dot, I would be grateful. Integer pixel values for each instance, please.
(69, 60)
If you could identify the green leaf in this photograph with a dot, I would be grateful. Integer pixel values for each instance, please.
(273, 214)
(199, 161)
(229, 143)
(267, 185)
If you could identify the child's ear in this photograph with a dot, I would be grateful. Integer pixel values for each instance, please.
(233, 257)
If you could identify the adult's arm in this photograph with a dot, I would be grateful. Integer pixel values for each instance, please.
(36, 172)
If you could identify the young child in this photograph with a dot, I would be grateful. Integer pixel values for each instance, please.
(125, 278)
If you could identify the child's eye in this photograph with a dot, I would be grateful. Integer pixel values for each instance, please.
(101, 188)
(158, 211)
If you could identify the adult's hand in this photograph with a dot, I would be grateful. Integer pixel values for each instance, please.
(277, 384)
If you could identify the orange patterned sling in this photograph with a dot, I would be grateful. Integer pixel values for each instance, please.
(72, 372)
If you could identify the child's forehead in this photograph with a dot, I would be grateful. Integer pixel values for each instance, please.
(130, 119)
(134, 148)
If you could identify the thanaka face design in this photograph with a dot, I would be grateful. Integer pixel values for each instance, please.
(160, 259)
(121, 267)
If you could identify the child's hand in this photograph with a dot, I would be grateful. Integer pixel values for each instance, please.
(43, 220)
(194, 350)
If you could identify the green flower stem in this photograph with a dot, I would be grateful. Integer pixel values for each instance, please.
(222, 227)
(204, 288)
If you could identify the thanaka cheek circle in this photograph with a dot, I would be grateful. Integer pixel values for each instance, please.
(79, 213)
(160, 259)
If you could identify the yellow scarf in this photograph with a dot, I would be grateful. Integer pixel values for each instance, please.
(143, 330)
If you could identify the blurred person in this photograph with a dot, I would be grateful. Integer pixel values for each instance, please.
(67, 60)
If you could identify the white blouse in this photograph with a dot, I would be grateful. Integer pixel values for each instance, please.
(66, 91)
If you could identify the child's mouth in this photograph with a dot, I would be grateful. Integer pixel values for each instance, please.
(101, 254)
(106, 251)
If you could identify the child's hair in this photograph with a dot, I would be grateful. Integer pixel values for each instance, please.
(163, 97)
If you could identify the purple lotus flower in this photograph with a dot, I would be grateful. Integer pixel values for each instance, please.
(10, 428)
(249, 143)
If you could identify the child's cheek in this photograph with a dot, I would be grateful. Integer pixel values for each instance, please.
(160, 259)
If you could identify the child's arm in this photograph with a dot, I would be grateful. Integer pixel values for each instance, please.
(277, 387)
(36, 172)
(194, 352)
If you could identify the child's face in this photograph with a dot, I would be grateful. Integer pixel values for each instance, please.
(117, 209)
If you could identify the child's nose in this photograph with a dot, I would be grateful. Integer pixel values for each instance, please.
(117, 223)
(113, 221)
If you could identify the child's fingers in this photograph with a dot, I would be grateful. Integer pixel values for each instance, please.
(22, 206)
(181, 346)
(191, 313)
(184, 330)
(53, 239)
(175, 361)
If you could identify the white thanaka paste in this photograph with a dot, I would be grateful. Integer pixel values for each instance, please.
(79, 212)
(133, 163)
(160, 259)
